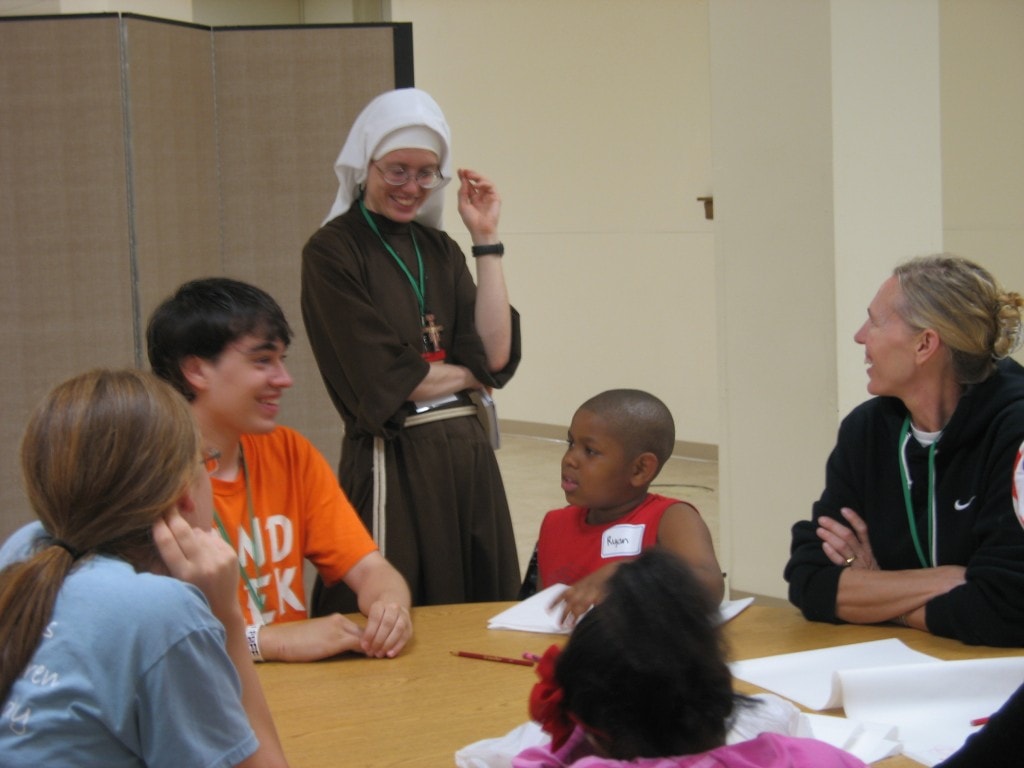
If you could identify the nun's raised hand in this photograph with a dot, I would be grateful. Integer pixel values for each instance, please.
(479, 206)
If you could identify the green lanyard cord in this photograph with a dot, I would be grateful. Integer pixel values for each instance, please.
(257, 598)
(418, 287)
(905, 479)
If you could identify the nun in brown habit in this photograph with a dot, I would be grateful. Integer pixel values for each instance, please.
(406, 341)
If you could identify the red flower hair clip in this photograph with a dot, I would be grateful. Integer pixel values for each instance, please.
(546, 701)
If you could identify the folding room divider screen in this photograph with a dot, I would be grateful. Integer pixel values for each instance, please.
(137, 153)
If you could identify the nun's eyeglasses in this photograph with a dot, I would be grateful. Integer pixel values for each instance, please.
(399, 176)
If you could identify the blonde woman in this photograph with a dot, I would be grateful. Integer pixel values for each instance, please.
(916, 523)
(123, 642)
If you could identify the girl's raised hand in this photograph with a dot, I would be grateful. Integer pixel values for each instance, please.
(201, 558)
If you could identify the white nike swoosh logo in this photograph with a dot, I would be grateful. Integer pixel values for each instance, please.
(960, 506)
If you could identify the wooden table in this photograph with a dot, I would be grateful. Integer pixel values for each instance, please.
(418, 709)
(413, 710)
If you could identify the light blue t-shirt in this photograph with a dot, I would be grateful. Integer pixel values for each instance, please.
(131, 671)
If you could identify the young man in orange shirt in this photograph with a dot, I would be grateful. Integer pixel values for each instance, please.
(222, 343)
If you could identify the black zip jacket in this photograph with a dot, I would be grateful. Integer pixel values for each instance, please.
(975, 523)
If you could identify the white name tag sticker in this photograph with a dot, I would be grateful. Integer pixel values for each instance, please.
(622, 540)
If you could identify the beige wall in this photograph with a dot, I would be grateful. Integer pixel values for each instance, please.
(575, 238)
(983, 133)
(180, 10)
(836, 179)
(775, 240)
(594, 119)
(886, 158)
(594, 116)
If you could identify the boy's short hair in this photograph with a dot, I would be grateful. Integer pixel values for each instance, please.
(638, 420)
(202, 318)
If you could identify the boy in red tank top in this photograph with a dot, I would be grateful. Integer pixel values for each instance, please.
(617, 444)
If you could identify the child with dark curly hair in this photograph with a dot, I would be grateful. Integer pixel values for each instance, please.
(643, 682)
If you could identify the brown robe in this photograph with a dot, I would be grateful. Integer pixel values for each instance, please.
(449, 532)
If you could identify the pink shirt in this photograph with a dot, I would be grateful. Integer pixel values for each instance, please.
(769, 750)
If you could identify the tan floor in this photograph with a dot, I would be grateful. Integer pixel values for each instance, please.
(530, 467)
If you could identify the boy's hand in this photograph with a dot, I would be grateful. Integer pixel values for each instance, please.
(388, 629)
(326, 636)
(310, 640)
(584, 594)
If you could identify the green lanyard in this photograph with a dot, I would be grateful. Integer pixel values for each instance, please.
(418, 287)
(257, 598)
(904, 477)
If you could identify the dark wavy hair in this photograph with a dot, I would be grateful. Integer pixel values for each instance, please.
(645, 670)
(202, 318)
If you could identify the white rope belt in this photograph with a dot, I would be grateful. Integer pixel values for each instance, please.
(439, 414)
(380, 495)
(380, 475)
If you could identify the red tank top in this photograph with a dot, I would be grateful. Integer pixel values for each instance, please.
(570, 548)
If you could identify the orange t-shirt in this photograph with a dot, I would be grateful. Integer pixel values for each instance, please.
(300, 513)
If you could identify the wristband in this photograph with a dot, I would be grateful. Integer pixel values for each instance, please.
(498, 249)
(252, 637)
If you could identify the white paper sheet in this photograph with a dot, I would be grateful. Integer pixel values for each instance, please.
(498, 752)
(732, 608)
(928, 703)
(932, 704)
(868, 741)
(810, 677)
(535, 614)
